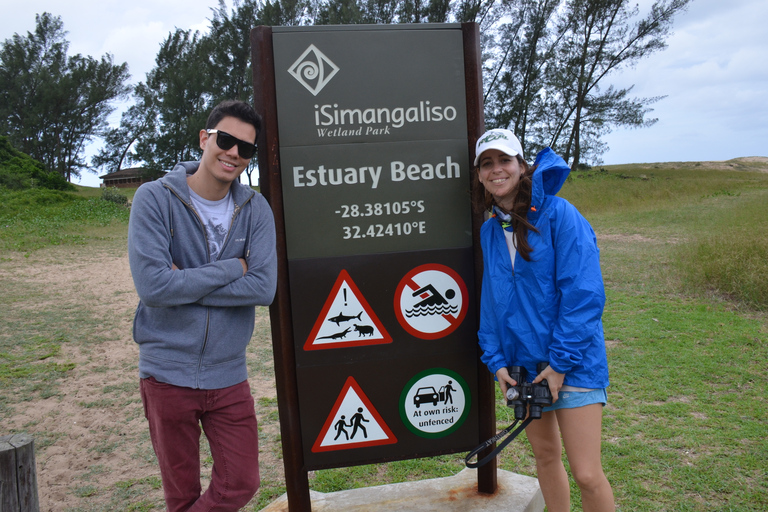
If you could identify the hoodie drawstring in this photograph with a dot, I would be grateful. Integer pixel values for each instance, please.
(170, 214)
(248, 235)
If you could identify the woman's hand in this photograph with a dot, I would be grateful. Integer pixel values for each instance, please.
(505, 381)
(554, 379)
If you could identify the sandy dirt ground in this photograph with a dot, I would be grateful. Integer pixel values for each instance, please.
(90, 435)
(91, 440)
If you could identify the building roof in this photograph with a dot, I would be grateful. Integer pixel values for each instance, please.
(131, 172)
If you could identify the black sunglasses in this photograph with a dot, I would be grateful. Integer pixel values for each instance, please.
(225, 141)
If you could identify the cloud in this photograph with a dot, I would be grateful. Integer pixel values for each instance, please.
(712, 73)
(136, 44)
(714, 80)
(95, 27)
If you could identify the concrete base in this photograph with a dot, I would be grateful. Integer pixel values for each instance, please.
(458, 493)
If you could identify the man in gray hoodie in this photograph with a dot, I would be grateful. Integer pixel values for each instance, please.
(202, 255)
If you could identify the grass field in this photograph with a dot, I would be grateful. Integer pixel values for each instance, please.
(684, 253)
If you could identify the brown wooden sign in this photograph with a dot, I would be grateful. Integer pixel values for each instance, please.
(365, 160)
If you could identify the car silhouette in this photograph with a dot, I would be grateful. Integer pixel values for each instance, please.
(427, 394)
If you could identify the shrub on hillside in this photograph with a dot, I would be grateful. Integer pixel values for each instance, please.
(730, 258)
(732, 264)
(113, 195)
(19, 171)
(35, 218)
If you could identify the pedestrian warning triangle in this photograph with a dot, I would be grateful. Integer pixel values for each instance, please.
(346, 320)
(353, 423)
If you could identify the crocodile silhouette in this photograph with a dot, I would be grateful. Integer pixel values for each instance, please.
(337, 336)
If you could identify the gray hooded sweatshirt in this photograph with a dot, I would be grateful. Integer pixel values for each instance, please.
(194, 324)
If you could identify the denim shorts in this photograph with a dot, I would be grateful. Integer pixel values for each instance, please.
(574, 399)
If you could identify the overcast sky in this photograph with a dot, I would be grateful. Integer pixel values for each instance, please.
(713, 73)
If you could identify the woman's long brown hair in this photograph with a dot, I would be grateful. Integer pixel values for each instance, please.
(484, 200)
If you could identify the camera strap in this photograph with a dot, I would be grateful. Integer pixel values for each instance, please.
(485, 460)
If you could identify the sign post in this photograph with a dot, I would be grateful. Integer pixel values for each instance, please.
(365, 160)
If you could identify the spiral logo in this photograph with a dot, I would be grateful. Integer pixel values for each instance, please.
(313, 69)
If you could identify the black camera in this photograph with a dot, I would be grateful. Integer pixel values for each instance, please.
(526, 395)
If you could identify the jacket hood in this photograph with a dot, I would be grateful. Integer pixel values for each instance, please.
(551, 172)
(176, 180)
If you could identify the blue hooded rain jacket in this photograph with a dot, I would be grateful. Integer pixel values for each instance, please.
(549, 308)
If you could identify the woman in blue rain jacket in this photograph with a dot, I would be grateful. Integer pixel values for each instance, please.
(542, 301)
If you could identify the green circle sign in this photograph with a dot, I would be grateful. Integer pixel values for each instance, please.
(435, 403)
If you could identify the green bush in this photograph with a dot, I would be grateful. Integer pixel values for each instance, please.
(19, 171)
(36, 218)
(735, 266)
(113, 195)
(22, 203)
(732, 263)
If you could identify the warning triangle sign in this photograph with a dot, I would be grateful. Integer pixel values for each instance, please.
(346, 320)
(353, 423)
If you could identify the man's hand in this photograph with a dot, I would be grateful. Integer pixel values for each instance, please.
(244, 264)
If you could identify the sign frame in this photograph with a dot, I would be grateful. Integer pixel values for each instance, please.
(270, 179)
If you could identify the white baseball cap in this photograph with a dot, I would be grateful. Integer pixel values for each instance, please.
(503, 140)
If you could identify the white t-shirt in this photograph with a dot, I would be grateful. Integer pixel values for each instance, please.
(510, 237)
(216, 217)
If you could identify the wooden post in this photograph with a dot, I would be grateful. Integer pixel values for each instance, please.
(18, 475)
(487, 482)
(270, 182)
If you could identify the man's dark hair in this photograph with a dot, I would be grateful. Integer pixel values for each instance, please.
(236, 109)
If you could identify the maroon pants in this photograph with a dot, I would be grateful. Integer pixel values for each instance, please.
(229, 422)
